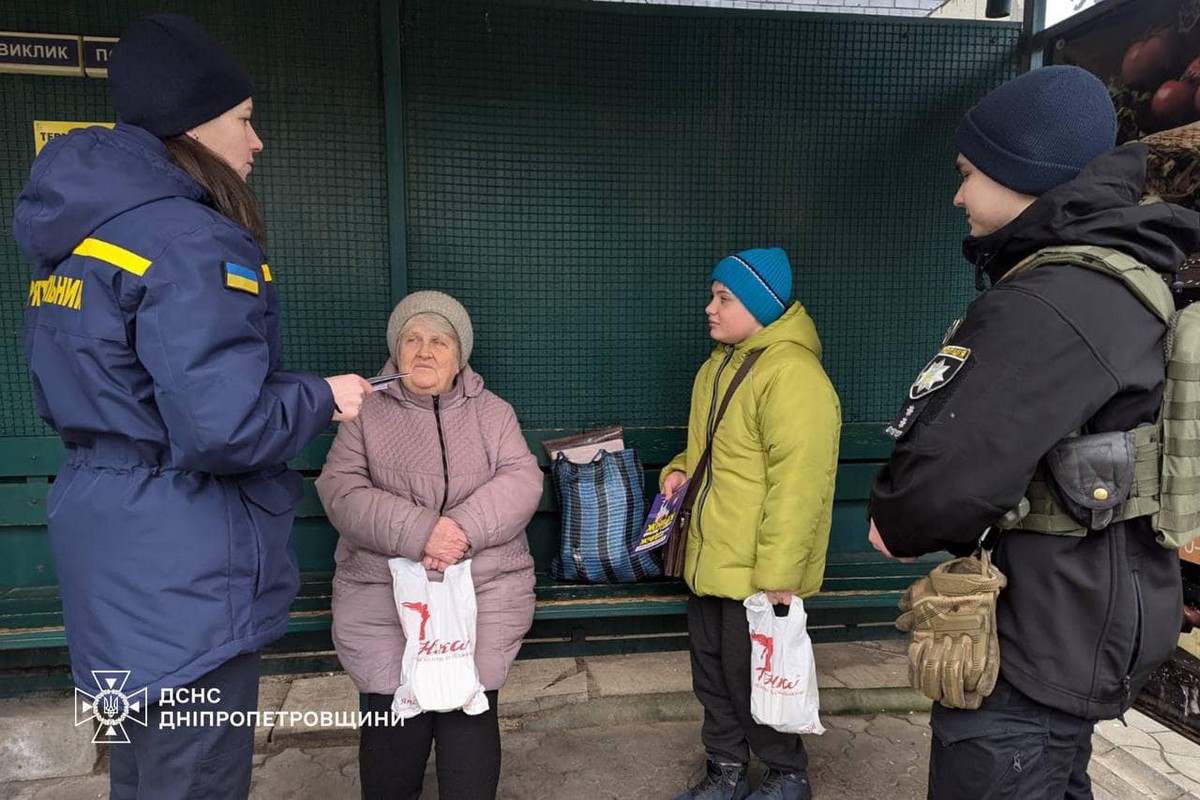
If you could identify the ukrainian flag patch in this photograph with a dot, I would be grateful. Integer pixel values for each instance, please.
(244, 279)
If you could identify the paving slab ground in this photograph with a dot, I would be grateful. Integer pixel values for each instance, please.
(858, 758)
(38, 739)
(603, 727)
(654, 760)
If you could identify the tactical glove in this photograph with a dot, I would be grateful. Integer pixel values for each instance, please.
(954, 657)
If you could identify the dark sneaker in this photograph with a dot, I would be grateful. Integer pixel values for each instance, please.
(720, 782)
(778, 785)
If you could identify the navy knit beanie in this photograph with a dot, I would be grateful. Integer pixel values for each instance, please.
(761, 279)
(167, 75)
(1039, 129)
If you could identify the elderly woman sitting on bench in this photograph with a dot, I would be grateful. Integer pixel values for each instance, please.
(436, 470)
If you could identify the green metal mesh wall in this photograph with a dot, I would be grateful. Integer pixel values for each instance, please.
(574, 170)
(321, 178)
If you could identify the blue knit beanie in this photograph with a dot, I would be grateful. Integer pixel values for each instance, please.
(1039, 129)
(761, 279)
(167, 75)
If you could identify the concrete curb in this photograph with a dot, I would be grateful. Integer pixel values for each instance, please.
(546, 695)
(574, 711)
(40, 740)
(1120, 771)
(882, 700)
(682, 706)
(600, 711)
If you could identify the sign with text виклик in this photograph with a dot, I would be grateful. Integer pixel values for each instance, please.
(40, 53)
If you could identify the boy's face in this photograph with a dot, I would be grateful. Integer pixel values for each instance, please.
(989, 206)
(729, 322)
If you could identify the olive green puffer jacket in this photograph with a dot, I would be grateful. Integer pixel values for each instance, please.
(763, 512)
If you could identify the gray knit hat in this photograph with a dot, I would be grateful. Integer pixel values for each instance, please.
(429, 302)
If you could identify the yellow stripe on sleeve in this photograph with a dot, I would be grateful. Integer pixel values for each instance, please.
(266, 272)
(119, 257)
(242, 284)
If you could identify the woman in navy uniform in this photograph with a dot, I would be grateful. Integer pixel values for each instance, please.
(152, 333)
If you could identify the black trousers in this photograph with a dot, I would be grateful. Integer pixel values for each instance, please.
(720, 646)
(191, 762)
(1011, 747)
(392, 758)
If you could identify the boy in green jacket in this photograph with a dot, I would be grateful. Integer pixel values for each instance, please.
(763, 509)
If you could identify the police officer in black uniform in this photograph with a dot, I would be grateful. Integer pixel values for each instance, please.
(1037, 357)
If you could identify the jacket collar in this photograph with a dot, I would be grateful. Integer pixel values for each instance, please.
(467, 384)
(1103, 207)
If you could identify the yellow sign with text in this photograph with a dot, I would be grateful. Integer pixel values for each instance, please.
(45, 130)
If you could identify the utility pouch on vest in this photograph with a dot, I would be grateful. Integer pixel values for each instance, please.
(1166, 472)
(1093, 475)
(954, 656)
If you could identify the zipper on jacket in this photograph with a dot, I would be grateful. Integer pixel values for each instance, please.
(437, 416)
(708, 472)
(1137, 641)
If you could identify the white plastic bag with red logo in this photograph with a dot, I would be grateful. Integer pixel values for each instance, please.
(438, 617)
(783, 674)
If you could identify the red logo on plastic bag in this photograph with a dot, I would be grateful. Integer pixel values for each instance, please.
(437, 647)
(434, 647)
(765, 676)
(768, 646)
(423, 610)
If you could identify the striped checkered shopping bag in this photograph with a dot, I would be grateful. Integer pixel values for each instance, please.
(603, 505)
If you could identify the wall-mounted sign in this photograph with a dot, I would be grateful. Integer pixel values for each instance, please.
(1190, 552)
(96, 52)
(40, 53)
(45, 130)
(1058, 10)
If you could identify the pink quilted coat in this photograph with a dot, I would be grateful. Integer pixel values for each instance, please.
(388, 476)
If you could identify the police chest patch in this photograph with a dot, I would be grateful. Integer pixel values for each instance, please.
(940, 370)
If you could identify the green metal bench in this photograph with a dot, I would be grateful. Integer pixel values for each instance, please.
(857, 601)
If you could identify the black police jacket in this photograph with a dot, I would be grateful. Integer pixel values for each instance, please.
(1054, 350)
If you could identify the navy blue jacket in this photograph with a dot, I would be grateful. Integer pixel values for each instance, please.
(152, 333)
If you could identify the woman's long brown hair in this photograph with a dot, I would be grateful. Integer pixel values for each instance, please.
(227, 192)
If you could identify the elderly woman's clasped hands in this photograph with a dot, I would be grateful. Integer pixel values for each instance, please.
(448, 544)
